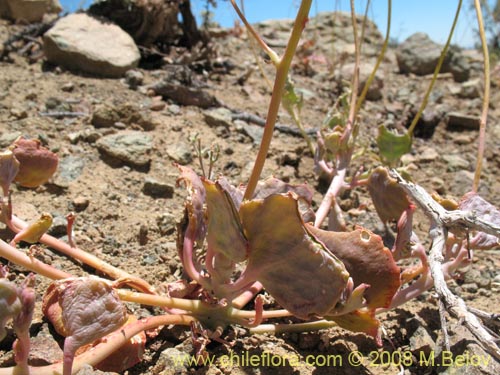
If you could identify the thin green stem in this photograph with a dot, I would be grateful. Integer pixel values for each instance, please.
(362, 96)
(486, 99)
(297, 327)
(272, 55)
(436, 71)
(279, 84)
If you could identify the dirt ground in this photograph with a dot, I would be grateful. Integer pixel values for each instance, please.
(124, 225)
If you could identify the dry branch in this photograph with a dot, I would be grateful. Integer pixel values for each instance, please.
(443, 221)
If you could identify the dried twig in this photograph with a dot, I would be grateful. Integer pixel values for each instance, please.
(443, 221)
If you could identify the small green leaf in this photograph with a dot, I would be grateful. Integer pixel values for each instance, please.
(290, 98)
(392, 146)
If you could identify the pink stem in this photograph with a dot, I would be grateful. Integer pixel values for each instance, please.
(334, 190)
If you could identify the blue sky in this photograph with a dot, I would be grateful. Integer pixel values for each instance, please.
(409, 16)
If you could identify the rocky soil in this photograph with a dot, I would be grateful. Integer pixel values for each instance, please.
(118, 138)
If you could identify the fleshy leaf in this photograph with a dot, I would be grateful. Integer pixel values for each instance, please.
(33, 232)
(10, 305)
(37, 164)
(83, 309)
(272, 185)
(194, 201)
(392, 146)
(359, 321)
(388, 196)
(367, 261)
(295, 269)
(472, 202)
(9, 167)
(224, 231)
(226, 243)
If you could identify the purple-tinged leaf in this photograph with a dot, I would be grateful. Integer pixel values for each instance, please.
(37, 164)
(292, 266)
(194, 201)
(472, 202)
(367, 261)
(388, 196)
(82, 309)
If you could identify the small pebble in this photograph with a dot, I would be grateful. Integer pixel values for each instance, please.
(80, 203)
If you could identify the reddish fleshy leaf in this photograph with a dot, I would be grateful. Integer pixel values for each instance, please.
(367, 261)
(37, 164)
(294, 268)
(388, 196)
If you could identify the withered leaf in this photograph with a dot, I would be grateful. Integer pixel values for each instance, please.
(367, 261)
(225, 235)
(294, 268)
(388, 196)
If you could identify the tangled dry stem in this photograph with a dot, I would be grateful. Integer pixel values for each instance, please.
(442, 222)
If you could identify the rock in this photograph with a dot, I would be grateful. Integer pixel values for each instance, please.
(133, 114)
(44, 350)
(180, 152)
(455, 162)
(253, 131)
(134, 78)
(58, 227)
(477, 277)
(460, 66)
(185, 95)
(170, 362)
(421, 341)
(157, 189)
(89, 370)
(166, 223)
(470, 89)
(80, 203)
(69, 169)
(428, 154)
(132, 148)
(419, 55)
(218, 117)
(7, 138)
(28, 10)
(105, 116)
(458, 120)
(157, 104)
(365, 69)
(80, 42)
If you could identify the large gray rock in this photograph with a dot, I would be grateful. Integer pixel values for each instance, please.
(419, 55)
(80, 42)
(133, 148)
(28, 10)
